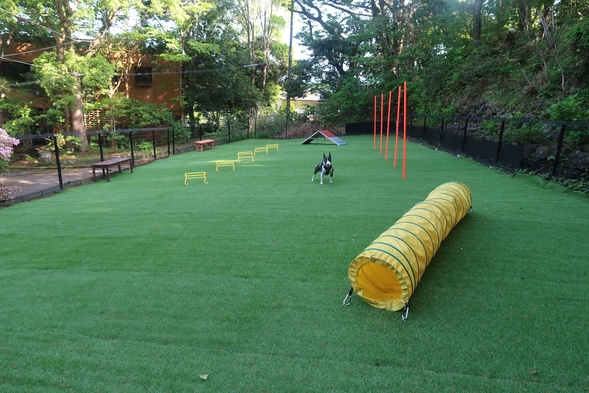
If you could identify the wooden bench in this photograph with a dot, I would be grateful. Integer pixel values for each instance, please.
(272, 146)
(204, 144)
(107, 164)
(261, 149)
(195, 175)
(245, 154)
(221, 163)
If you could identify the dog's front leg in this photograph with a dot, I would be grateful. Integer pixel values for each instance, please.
(321, 182)
(331, 177)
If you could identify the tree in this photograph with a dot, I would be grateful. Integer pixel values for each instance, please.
(86, 76)
(478, 7)
(261, 24)
(63, 72)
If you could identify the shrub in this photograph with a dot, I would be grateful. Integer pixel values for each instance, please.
(568, 109)
(525, 133)
(577, 138)
(7, 144)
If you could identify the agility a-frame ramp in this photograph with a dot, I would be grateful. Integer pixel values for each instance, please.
(322, 136)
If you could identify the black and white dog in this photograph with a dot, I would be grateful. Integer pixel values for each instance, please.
(325, 167)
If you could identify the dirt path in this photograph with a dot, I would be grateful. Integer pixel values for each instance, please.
(19, 185)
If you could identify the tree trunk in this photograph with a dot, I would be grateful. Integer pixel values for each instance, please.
(478, 7)
(78, 124)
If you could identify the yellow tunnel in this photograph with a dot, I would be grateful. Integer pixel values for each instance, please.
(386, 273)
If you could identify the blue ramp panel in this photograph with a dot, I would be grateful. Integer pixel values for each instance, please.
(324, 135)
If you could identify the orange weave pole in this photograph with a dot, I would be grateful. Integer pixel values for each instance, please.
(374, 122)
(397, 127)
(386, 153)
(381, 119)
(404, 129)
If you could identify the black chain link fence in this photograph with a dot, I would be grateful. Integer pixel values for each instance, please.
(551, 149)
(44, 164)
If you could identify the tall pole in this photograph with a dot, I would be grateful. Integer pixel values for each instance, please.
(404, 129)
(386, 151)
(375, 109)
(397, 127)
(381, 119)
(289, 67)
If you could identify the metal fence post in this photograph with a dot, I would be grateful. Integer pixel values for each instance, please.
(424, 125)
(228, 129)
(173, 141)
(100, 147)
(464, 135)
(500, 141)
(57, 162)
(154, 147)
(441, 132)
(558, 149)
(131, 143)
(411, 126)
(168, 136)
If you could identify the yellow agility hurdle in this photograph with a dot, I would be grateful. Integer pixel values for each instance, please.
(261, 149)
(221, 163)
(387, 272)
(195, 175)
(245, 154)
(272, 146)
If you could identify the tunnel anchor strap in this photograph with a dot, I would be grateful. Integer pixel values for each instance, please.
(405, 312)
(348, 298)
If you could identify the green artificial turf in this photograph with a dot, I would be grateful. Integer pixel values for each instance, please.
(142, 284)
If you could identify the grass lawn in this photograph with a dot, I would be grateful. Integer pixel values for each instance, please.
(146, 285)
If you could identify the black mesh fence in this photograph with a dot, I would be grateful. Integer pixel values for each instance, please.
(550, 148)
(44, 164)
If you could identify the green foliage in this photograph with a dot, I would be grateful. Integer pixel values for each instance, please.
(51, 120)
(490, 127)
(511, 68)
(351, 101)
(119, 140)
(181, 133)
(97, 75)
(450, 110)
(21, 116)
(60, 79)
(572, 108)
(139, 114)
(568, 109)
(145, 146)
(67, 145)
(64, 81)
(356, 52)
(269, 125)
(578, 36)
(523, 133)
(577, 138)
(55, 78)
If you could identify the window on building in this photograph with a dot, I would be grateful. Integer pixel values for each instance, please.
(143, 76)
(14, 71)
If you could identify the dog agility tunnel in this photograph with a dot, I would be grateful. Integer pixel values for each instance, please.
(386, 273)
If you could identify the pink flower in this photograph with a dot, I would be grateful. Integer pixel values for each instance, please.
(6, 145)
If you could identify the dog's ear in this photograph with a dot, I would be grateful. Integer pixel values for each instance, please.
(329, 156)
(324, 158)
